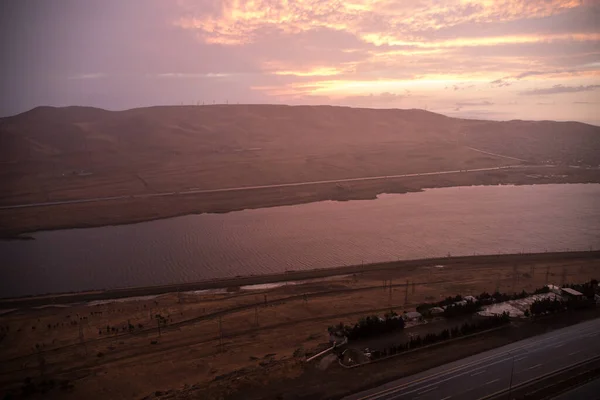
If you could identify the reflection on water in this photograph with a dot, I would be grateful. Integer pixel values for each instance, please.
(434, 223)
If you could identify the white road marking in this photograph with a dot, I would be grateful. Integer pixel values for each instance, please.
(575, 352)
(428, 390)
(495, 380)
(535, 366)
(521, 358)
(497, 354)
(478, 373)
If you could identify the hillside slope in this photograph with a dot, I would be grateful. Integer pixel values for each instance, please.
(75, 152)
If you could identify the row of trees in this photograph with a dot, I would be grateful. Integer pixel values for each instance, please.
(465, 329)
(425, 307)
(546, 306)
(369, 326)
(460, 309)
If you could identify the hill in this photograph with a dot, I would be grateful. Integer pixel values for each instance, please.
(56, 154)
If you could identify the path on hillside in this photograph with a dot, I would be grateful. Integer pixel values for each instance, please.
(257, 187)
(496, 154)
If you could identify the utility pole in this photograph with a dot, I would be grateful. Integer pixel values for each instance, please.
(390, 296)
(547, 273)
(406, 294)
(255, 316)
(564, 276)
(220, 335)
(413, 288)
(265, 300)
(81, 338)
(41, 361)
(512, 370)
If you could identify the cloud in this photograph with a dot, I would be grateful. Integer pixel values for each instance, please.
(184, 75)
(501, 82)
(557, 89)
(477, 103)
(529, 73)
(94, 75)
(235, 22)
(314, 51)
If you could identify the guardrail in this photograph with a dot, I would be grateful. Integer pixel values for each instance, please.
(502, 393)
(424, 347)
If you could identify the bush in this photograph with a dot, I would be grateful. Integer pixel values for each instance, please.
(369, 326)
(457, 310)
(546, 306)
(466, 328)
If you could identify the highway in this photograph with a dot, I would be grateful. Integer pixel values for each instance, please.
(485, 374)
(588, 391)
(245, 188)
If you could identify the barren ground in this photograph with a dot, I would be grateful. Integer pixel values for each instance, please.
(56, 154)
(187, 355)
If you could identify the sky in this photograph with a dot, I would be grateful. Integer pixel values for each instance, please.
(501, 60)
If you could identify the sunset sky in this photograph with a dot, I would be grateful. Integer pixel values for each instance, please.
(508, 59)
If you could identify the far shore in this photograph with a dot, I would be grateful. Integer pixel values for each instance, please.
(234, 283)
(20, 223)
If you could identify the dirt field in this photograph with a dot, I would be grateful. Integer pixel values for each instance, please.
(56, 154)
(261, 342)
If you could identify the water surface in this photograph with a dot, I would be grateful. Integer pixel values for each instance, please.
(433, 223)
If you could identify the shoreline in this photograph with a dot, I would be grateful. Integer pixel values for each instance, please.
(237, 282)
(28, 221)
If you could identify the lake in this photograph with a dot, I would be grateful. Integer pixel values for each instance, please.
(432, 223)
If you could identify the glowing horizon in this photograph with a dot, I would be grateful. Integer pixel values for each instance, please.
(506, 59)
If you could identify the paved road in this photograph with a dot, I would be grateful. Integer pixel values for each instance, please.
(487, 373)
(244, 188)
(589, 391)
(495, 154)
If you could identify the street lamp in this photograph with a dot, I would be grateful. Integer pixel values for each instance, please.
(512, 370)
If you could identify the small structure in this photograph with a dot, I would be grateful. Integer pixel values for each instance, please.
(436, 310)
(597, 298)
(554, 289)
(412, 316)
(470, 299)
(336, 337)
(572, 293)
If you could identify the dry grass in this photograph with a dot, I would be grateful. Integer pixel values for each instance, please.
(163, 149)
(132, 367)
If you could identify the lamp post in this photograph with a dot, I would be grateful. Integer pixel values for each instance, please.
(512, 370)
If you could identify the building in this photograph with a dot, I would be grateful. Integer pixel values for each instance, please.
(412, 316)
(554, 289)
(572, 293)
(436, 310)
(470, 298)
